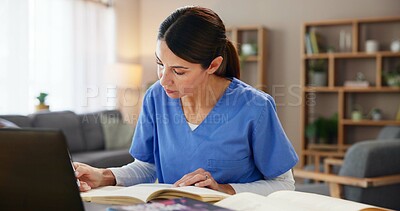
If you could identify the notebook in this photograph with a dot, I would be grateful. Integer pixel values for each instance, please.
(36, 171)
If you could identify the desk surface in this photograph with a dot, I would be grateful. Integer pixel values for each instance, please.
(95, 207)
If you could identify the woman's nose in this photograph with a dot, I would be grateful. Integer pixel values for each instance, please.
(164, 77)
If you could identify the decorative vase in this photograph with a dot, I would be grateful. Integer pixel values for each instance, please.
(395, 46)
(376, 116)
(42, 107)
(319, 79)
(398, 115)
(393, 81)
(371, 46)
(356, 115)
(249, 49)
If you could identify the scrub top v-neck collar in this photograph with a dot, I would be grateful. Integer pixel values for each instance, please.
(209, 115)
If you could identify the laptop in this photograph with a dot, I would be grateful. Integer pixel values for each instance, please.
(36, 171)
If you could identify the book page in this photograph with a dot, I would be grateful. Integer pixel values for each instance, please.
(145, 192)
(253, 202)
(202, 194)
(289, 200)
(119, 194)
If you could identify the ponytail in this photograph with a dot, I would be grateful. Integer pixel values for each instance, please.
(230, 66)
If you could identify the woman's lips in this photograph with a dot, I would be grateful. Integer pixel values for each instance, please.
(169, 91)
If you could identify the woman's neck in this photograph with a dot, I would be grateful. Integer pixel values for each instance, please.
(204, 98)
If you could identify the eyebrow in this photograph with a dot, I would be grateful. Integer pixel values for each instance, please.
(176, 66)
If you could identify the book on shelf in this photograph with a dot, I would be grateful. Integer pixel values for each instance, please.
(186, 204)
(292, 201)
(316, 42)
(143, 193)
(357, 84)
(308, 44)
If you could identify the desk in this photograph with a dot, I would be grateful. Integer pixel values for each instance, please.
(95, 207)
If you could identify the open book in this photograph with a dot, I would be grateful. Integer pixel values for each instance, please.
(146, 192)
(291, 201)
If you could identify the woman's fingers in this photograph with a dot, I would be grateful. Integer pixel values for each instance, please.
(200, 178)
(188, 176)
(205, 183)
(84, 186)
(192, 180)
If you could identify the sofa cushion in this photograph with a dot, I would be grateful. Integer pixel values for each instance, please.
(117, 134)
(389, 132)
(7, 124)
(104, 159)
(67, 121)
(20, 121)
(92, 131)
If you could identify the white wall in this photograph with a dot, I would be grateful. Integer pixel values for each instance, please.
(283, 18)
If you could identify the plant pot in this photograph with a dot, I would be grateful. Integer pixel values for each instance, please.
(249, 49)
(42, 107)
(393, 81)
(318, 79)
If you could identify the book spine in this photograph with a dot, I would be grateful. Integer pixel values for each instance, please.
(314, 42)
(308, 44)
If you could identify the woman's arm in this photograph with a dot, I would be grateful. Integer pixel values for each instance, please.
(135, 173)
(202, 178)
(267, 186)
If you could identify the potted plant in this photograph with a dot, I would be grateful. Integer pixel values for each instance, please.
(318, 73)
(42, 102)
(392, 78)
(323, 130)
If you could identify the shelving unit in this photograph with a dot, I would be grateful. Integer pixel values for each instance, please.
(253, 67)
(342, 64)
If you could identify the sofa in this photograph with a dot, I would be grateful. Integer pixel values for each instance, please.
(86, 134)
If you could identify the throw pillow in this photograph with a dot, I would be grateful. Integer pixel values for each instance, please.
(117, 135)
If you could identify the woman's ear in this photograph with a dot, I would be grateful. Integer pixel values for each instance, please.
(215, 65)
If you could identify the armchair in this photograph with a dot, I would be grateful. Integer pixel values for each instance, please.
(370, 173)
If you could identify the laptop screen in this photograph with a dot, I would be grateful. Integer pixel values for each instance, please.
(36, 171)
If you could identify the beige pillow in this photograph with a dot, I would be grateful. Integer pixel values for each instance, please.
(117, 135)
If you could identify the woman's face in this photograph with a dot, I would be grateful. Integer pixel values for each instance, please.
(178, 77)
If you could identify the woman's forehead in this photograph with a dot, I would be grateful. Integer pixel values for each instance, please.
(166, 56)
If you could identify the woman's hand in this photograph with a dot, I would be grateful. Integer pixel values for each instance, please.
(202, 178)
(90, 177)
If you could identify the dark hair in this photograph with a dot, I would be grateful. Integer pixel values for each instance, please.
(197, 35)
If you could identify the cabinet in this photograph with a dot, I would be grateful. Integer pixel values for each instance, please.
(251, 44)
(336, 53)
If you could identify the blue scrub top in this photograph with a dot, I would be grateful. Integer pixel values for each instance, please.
(240, 141)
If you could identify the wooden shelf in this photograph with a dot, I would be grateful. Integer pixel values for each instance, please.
(344, 66)
(351, 55)
(324, 153)
(371, 89)
(320, 89)
(251, 59)
(254, 67)
(351, 89)
(370, 122)
(331, 147)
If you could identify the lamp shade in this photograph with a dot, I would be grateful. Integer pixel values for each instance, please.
(125, 75)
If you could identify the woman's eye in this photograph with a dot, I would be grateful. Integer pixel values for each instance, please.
(178, 73)
(160, 64)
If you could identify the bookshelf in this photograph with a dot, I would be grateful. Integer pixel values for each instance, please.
(253, 64)
(342, 56)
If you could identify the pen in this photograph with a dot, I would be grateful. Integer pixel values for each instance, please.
(77, 180)
(73, 168)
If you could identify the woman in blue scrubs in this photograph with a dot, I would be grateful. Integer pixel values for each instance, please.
(200, 125)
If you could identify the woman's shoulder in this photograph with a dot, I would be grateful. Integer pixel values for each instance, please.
(154, 90)
(250, 95)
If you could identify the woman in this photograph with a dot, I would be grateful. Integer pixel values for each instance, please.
(199, 124)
